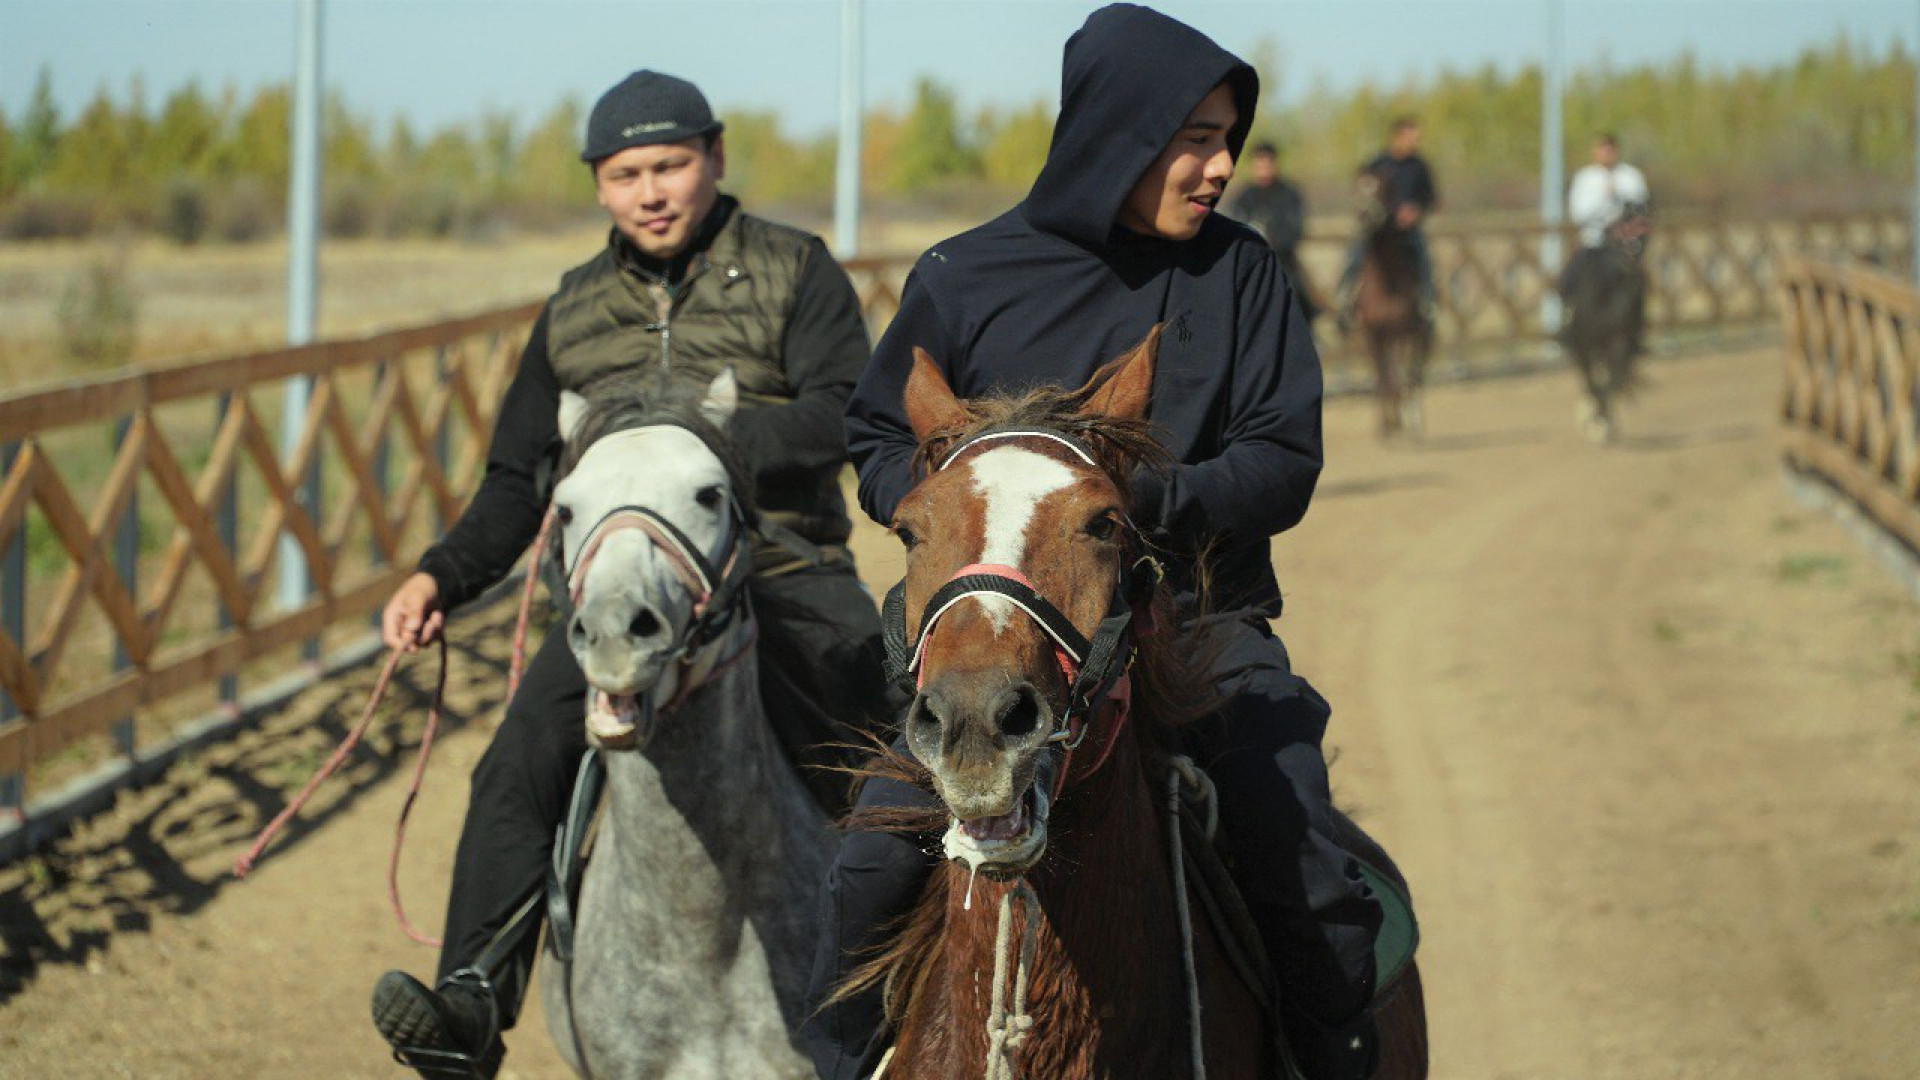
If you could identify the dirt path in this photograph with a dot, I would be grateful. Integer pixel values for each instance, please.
(1644, 733)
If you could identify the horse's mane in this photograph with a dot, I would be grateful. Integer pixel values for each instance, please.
(1173, 680)
(643, 396)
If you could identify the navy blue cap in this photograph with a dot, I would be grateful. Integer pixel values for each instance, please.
(644, 109)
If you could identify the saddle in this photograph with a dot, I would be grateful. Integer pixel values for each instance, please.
(1215, 894)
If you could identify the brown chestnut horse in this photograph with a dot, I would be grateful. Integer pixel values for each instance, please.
(1047, 705)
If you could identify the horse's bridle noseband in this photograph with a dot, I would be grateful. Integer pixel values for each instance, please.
(1097, 670)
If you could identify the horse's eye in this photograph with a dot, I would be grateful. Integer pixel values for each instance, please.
(907, 539)
(563, 513)
(1102, 528)
(708, 496)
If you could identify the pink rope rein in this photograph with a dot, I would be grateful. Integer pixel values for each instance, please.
(519, 662)
(246, 862)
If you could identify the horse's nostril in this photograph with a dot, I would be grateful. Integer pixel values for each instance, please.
(645, 624)
(577, 632)
(920, 717)
(1022, 715)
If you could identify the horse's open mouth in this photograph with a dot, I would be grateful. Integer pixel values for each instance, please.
(618, 721)
(1006, 845)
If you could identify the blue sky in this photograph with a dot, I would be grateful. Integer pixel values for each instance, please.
(440, 61)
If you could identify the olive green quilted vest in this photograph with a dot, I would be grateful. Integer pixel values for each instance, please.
(731, 309)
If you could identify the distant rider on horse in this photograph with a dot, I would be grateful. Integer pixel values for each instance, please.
(1406, 188)
(1117, 235)
(1604, 195)
(1275, 208)
(690, 282)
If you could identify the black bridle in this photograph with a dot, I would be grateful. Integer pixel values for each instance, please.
(1093, 667)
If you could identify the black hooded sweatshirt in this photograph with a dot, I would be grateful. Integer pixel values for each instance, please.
(1052, 289)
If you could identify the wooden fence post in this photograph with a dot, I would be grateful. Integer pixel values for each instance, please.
(443, 439)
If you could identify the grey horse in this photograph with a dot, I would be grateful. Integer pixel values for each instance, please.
(696, 917)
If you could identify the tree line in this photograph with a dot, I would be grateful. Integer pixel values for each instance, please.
(1832, 128)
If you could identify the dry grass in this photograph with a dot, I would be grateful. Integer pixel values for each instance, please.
(210, 301)
(220, 299)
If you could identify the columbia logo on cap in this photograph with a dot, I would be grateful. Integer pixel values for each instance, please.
(631, 130)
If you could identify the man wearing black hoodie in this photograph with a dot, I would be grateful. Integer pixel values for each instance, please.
(1118, 234)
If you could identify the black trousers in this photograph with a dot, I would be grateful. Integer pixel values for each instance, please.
(820, 676)
(1315, 913)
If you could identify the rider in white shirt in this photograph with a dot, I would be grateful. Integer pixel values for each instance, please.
(1601, 195)
(1602, 191)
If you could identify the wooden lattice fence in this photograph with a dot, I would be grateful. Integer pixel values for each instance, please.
(1852, 349)
(141, 516)
(1703, 274)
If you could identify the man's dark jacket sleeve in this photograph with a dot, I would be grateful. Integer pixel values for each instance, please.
(1264, 476)
(879, 440)
(504, 516)
(823, 351)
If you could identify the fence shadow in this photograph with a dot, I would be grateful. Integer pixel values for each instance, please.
(1655, 441)
(168, 848)
(1481, 440)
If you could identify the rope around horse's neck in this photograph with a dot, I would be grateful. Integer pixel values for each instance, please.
(1181, 771)
(339, 756)
(1007, 1028)
(1008, 1025)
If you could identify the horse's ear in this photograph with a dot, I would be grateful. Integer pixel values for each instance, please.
(723, 397)
(1123, 387)
(929, 401)
(572, 408)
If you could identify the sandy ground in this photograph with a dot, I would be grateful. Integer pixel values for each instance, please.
(1644, 733)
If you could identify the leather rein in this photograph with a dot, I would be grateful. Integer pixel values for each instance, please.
(1097, 670)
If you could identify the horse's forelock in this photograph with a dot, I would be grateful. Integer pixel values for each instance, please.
(1117, 443)
(635, 399)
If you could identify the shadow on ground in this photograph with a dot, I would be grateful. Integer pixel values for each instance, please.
(1374, 485)
(168, 847)
(1681, 440)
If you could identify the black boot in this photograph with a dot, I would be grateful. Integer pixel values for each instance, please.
(1348, 1051)
(450, 1033)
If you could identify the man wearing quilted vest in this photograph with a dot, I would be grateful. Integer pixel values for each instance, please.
(690, 281)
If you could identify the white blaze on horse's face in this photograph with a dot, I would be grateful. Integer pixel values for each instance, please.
(633, 610)
(1013, 482)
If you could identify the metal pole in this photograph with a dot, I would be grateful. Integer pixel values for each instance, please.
(1913, 222)
(379, 465)
(13, 618)
(846, 174)
(1553, 159)
(303, 217)
(226, 522)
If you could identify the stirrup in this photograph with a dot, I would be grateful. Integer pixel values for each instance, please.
(569, 858)
(448, 1064)
(437, 1062)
